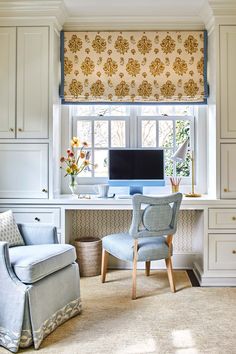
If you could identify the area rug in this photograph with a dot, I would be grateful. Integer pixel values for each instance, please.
(194, 320)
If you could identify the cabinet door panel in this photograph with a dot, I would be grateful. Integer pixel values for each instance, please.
(24, 171)
(228, 171)
(222, 251)
(7, 82)
(227, 80)
(32, 82)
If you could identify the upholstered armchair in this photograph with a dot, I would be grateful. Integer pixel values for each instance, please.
(150, 236)
(39, 287)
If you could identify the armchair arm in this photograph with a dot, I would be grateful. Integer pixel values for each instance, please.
(38, 234)
(12, 300)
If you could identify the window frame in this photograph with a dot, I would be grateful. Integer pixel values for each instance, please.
(172, 118)
(133, 123)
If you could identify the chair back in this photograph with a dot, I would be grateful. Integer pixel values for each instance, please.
(154, 216)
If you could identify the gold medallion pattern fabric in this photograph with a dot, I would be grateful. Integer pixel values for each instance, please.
(151, 66)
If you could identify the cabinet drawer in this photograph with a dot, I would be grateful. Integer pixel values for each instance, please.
(222, 251)
(36, 215)
(222, 218)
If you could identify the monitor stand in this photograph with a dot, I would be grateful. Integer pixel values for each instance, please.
(135, 190)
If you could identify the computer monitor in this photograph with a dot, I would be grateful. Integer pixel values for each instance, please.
(136, 168)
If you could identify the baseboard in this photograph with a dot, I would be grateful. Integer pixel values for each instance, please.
(212, 281)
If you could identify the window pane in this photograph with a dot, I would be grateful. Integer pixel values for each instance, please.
(171, 110)
(84, 131)
(182, 130)
(168, 162)
(87, 172)
(149, 133)
(101, 159)
(183, 168)
(118, 133)
(166, 133)
(101, 133)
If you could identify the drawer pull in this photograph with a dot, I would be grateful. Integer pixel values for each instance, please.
(20, 130)
(234, 218)
(37, 219)
(44, 190)
(234, 251)
(225, 190)
(11, 130)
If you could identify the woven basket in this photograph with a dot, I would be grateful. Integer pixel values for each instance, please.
(89, 256)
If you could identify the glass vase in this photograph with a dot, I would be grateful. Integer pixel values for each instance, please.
(73, 185)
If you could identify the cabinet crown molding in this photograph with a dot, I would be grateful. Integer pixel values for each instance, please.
(34, 9)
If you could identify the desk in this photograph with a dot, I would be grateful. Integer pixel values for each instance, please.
(205, 240)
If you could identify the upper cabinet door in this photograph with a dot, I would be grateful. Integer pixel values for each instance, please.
(7, 82)
(32, 82)
(227, 81)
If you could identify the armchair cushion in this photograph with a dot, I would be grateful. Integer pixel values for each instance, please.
(32, 263)
(149, 248)
(9, 231)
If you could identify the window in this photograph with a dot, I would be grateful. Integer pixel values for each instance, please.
(148, 126)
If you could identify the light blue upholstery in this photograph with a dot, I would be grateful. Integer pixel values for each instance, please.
(39, 287)
(32, 263)
(149, 248)
(154, 223)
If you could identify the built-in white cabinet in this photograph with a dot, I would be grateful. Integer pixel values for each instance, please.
(7, 82)
(228, 171)
(32, 82)
(24, 170)
(222, 252)
(24, 82)
(227, 81)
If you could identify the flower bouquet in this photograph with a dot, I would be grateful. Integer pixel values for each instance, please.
(75, 162)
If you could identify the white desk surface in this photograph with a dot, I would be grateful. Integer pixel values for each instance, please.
(96, 202)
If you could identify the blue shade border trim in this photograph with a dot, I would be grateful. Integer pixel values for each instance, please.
(61, 88)
(206, 88)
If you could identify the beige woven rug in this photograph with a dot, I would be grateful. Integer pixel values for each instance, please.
(191, 321)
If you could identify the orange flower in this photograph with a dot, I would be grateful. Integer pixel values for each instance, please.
(82, 154)
(85, 144)
(62, 159)
(74, 167)
(86, 162)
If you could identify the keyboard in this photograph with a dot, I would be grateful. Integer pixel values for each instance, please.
(124, 196)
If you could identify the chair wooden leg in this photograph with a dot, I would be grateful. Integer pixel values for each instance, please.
(147, 268)
(105, 256)
(135, 269)
(170, 273)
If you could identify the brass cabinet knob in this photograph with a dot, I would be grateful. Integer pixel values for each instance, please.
(225, 190)
(20, 130)
(234, 251)
(11, 130)
(234, 218)
(44, 190)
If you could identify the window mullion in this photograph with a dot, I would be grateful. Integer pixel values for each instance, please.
(93, 147)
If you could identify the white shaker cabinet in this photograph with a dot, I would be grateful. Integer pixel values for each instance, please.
(228, 171)
(32, 82)
(24, 170)
(7, 82)
(227, 81)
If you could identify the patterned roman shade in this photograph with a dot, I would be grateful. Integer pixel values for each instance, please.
(151, 66)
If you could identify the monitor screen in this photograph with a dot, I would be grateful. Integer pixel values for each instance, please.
(136, 164)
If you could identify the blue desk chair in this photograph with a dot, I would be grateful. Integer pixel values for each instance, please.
(150, 236)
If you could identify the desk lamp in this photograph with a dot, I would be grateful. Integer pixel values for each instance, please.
(180, 156)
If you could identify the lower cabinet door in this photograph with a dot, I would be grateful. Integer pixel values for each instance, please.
(222, 251)
(228, 171)
(24, 171)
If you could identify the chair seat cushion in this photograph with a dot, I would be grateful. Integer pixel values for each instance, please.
(32, 263)
(149, 248)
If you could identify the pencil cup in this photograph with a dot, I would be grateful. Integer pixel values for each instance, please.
(175, 188)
